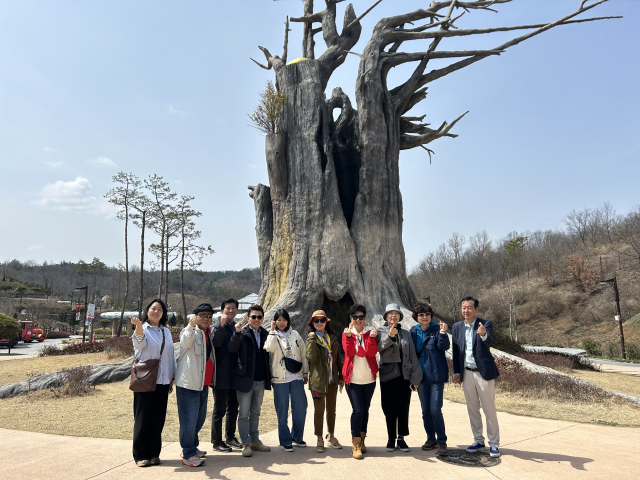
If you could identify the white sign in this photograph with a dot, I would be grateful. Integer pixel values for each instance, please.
(91, 310)
(617, 318)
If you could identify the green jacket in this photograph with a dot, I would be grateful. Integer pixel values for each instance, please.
(319, 364)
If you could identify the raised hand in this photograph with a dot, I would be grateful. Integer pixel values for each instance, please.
(192, 321)
(481, 330)
(347, 330)
(238, 327)
(311, 334)
(223, 320)
(443, 327)
(273, 326)
(136, 322)
(374, 333)
(393, 331)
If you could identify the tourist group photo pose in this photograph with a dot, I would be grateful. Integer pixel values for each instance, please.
(239, 360)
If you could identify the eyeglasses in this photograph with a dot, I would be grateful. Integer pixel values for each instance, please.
(319, 320)
(206, 317)
(358, 317)
(424, 315)
(255, 317)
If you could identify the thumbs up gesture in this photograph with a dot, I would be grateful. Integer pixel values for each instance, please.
(481, 330)
(393, 331)
(238, 327)
(443, 327)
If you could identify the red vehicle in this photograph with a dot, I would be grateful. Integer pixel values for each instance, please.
(31, 332)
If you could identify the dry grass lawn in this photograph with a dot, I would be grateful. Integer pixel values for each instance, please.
(607, 411)
(107, 412)
(12, 371)
(616, 382)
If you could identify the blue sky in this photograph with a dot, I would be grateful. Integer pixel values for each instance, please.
(91, 88)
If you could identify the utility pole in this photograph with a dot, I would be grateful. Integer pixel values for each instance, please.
(84, 322)
(614, 283)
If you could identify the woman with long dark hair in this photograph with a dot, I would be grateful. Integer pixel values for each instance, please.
(325, 375)
(287, 352)
(152, 339)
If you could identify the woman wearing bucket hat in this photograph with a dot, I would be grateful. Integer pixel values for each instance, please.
(400, 374)
(325, 374)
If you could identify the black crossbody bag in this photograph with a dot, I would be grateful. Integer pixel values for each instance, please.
(292, 366)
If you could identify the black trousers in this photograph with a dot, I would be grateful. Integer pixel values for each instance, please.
(225, 404)
(360, 398)
(395, 396)
(149, 413)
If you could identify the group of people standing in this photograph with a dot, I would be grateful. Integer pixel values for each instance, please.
(240, 361)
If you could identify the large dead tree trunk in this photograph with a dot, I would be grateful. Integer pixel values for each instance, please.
(329, 226)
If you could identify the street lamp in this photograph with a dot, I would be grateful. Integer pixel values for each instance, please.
(614, 283)
(84, 323)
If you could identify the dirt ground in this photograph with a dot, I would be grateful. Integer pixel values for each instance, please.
(107, 412)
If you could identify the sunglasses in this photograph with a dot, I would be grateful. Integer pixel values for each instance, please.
(319, 320)
(206, 317)
(358, 317)
(255, 317)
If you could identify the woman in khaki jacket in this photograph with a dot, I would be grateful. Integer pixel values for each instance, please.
(325, 375)
(286, 349)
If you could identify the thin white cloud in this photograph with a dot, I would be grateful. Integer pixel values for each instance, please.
(53, 164)
(75, 196)
(174, 111)
(34, 247)
(104, 162)
(49, 150)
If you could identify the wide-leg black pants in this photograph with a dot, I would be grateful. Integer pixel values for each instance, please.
(395, 396)
(149, 414)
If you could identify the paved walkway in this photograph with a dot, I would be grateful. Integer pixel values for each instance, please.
(609, 366)
(532, 448)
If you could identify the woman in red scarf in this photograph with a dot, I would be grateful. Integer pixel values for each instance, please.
(359, 373)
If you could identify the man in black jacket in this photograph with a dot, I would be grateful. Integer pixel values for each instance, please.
(225, 402)
(250, 378)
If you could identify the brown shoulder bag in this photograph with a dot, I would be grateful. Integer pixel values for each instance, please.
(144, 374)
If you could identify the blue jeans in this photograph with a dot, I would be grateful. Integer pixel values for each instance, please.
(431, 403)
(249, 405)
(281, 394)
(192, 411)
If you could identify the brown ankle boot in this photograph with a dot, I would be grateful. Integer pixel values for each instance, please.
(362, 446)
(357, 452)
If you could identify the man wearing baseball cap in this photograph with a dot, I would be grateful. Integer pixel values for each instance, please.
(196, 371)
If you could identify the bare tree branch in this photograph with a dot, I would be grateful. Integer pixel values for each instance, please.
(412, 141)
(357, 20)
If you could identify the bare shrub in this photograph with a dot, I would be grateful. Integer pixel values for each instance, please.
(75, 382)
(76, 348)
(552, 305)
(118, 347)
(557, 362)
(517, 379)
(632, 350)
(582, 272)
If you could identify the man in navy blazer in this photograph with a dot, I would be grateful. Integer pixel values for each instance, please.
(474, 367)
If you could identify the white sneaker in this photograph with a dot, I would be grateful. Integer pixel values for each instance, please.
(194, 461)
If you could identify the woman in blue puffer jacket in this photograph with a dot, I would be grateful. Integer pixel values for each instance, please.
(431, 341)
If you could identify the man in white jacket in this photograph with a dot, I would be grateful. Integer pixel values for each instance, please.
(196, 371)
